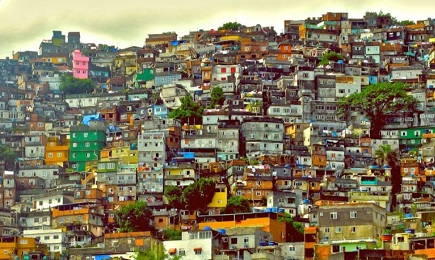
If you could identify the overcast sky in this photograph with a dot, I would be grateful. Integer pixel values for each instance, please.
(24, 23)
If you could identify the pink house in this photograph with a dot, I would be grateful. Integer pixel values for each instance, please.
(80, 65)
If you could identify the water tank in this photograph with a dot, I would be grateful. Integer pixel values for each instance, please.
(206, 228)
(222, 231)
(409, 215)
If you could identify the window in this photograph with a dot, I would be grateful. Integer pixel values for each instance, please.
(46, 237)
(50, 155)
(353, 229)
(198, 251)
(333, 215)
(233, 240)
(56, 237)
(36, 220)
(181, 251)
(353, 214)
(338, 230)
(327, 230)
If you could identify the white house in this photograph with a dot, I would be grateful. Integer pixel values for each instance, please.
(55, 239)
(193, 245)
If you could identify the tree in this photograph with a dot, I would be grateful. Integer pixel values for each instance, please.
(199, 194)
(173, 196)
(8, 157)
(189, 112)
(232, 26)
(134, 217)
(405, 22)
(171, 234)
(295, 230)
(217, 97)
(379, 102)
(71, 85)
(386, 155)
(155, 255)
(237, 204)
(330, 56)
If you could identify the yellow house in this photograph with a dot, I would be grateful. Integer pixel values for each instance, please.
(123, 153)
(55, 58)
(220, 197)
(21, 246)
(365, 196)
(56, 151)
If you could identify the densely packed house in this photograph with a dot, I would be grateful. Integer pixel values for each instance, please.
(274, 137)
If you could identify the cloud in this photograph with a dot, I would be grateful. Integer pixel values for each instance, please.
(128, 22)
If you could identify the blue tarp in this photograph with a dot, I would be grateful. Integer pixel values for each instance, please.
(188, 155)
(88, 118)
(101, 257)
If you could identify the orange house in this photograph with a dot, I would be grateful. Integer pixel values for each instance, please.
(267, 221)
(88, 216)
(285, 52)
(56, 151)
(318, 155)
(20, 246)
(409, 166)
(55, 58)
(257, 183)
(311, 239)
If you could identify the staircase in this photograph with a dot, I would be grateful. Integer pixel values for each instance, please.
(88, 178)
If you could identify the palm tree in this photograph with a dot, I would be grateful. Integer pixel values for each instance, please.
(386, 155)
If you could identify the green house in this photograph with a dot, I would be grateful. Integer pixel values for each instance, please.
(411, 138)
(86, 144)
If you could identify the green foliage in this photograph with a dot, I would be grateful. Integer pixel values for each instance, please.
(386, 155)
(199, 194)
(232, 26)
(217, 97)
(71, 85)
(237, 204)
(155, 255)
(134, 217)
(379, 102)
(299, 227)
(330, 56)
(196, 196)
(405, 22)
(189, 111)
(173, 195)
(171, 234)
(8, 156)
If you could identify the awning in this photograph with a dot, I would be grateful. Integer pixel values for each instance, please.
(197, 249)
(172, 250)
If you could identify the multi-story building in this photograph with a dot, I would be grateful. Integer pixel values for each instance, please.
(228, 136)
(80, 65)
(263, 135)
(356, 221)
(86, 142)
(54, 239)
